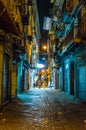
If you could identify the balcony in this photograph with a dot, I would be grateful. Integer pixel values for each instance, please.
(67, 41)
(70, 43)
(73, 41)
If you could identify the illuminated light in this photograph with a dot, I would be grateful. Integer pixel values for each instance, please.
(84, 121)
(43, 71)
(44, 47)
(67, 66)
(77, 40)
(79, 58)
(40, 65)
(63, 47)
(59, 113)
(4, 119)
(43, 58)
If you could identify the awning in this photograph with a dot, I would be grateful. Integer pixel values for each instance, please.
(6, 22)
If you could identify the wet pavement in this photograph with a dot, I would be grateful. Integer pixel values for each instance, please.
(43, 109)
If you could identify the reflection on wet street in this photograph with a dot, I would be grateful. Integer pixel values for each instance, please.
(43, 109)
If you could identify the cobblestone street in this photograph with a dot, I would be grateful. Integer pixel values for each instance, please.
(43, 109)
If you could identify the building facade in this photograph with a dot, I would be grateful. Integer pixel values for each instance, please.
(16, 41)
(69, 26)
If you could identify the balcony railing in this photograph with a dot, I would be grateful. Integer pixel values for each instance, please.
(71, 42)
(75, 36)
(68, 38)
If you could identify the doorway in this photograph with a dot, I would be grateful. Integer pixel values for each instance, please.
(72, 78)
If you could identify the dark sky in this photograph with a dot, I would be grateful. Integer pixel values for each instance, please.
(43, 10)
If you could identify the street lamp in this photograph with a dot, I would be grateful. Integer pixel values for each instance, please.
(40, 65)
(44, 47)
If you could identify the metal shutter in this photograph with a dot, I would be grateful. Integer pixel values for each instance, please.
(5, 78)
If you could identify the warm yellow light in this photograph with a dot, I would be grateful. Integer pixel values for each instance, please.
(43, 71)
(44, 47)
(77, 40)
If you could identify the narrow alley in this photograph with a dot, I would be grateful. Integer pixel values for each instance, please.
(43, 109)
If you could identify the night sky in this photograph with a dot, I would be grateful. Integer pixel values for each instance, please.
(43, 10)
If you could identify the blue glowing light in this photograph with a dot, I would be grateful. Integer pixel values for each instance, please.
(40, 65)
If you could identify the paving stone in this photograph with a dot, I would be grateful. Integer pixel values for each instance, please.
(43, 109)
